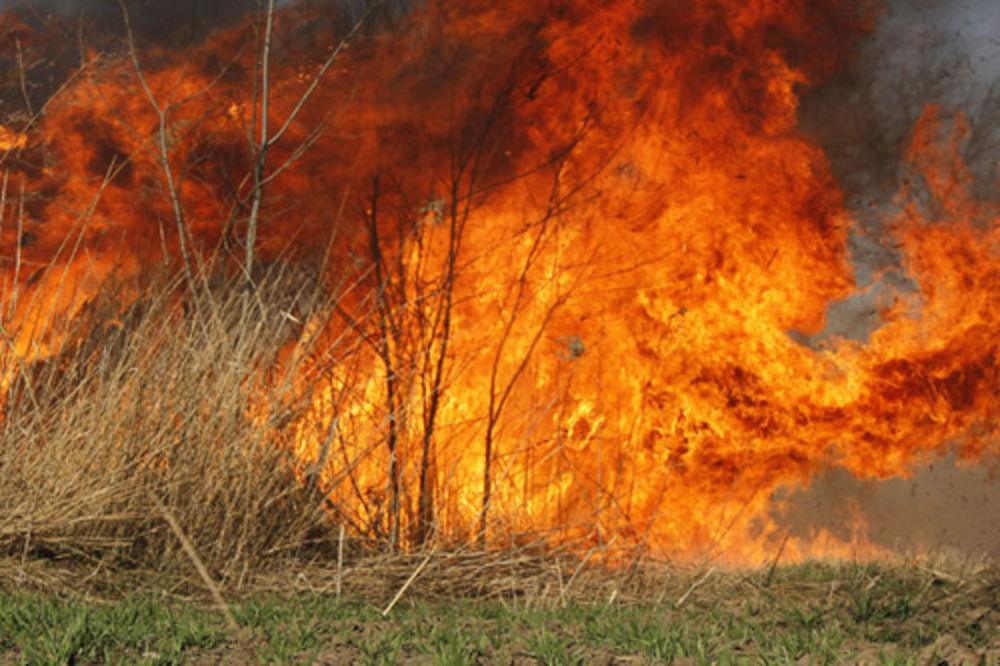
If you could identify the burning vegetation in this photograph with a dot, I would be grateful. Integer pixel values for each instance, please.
(470, 272)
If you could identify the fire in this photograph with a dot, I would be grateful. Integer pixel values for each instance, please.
(589, 255)
(11, 140)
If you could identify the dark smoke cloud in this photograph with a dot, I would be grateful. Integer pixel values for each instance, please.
(53, 32)
(943, 52)
(176, 22)
(159, 20)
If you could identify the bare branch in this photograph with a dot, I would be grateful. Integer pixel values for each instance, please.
(297, 109)
(163, 155)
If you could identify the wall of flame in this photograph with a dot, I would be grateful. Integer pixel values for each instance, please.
(646, 249)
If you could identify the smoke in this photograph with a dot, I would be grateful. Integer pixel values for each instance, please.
(176, 23)
(52, 34)
(927, 52)
(944, 509)
(162, 21)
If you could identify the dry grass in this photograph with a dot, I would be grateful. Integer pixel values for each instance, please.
(153, 451)
(155, 424)
(153, 447)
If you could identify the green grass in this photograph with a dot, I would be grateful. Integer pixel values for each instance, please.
(815, 614)
(47, 630)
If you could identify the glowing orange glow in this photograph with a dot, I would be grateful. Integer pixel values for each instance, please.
(10, 140)
(639, 239)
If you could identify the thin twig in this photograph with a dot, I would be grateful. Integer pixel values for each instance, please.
(562, 587)
(340, 561)
(162, 154)
(406, 585)
(318, 78)
(583, 564)
(777, 557)
(23, 77)
(694, 585)
(942, 575)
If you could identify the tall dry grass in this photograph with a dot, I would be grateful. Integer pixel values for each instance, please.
(154, 423)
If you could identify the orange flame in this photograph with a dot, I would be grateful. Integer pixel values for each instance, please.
(587, 240)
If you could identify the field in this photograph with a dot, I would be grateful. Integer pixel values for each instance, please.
(517, 611)
(179, 533)
(432, 332)
(156, 511)
(183, 529)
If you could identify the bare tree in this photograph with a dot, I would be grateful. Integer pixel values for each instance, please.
(263, 139)
(415, 290)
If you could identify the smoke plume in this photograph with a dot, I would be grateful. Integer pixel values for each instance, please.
(939, 53)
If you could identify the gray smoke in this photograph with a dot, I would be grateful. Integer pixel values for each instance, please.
(944, 509)
(943, 52)
(155, 20)
(60, 27)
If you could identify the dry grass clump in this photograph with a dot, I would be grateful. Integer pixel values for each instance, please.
(156, 424)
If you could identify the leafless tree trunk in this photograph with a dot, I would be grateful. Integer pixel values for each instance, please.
(162, 148)
(260, 149)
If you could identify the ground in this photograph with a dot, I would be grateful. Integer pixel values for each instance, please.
(803, 614)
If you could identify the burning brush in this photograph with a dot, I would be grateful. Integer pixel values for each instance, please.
(590, 269)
